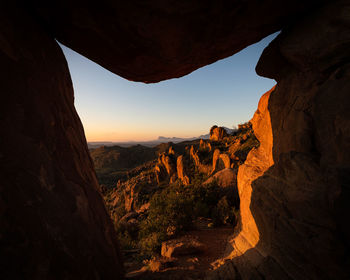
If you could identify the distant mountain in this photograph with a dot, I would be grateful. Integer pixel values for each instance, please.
(153, 143)
(229, 130)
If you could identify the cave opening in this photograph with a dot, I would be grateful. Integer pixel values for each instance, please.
(293, 187)
(180, 189)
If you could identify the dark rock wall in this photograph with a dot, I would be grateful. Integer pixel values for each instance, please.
(154, 40)
(53, 223)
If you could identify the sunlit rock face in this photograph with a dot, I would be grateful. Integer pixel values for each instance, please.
(294, 189)
(156, 40)
(53, 223)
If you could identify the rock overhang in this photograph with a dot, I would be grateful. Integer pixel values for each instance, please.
(158, 40)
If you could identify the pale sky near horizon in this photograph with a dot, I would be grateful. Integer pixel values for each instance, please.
(111, 108)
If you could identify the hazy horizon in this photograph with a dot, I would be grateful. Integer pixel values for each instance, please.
(113, 109)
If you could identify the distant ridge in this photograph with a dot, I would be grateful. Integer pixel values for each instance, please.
(152, 143)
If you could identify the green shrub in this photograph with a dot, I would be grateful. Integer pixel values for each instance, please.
(168, 209)
(151, 243)
(224, 213)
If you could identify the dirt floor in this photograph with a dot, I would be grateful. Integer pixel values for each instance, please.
(189, 266)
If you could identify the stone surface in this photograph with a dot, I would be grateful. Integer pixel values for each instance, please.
(194, 155)
(294, 188)
(53, 222)
(225, 160)
(159, 40)
(181, 170)
(204, 146)
(225, 178)
(220, 161)
(185, 245)
(217, 133)
(203, 168)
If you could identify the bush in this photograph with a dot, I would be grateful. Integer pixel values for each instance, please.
(175, 208)
(172, 210)
(224, 213)
(168, 209)
(151, 243)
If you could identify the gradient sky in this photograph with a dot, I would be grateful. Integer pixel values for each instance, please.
(111, 108)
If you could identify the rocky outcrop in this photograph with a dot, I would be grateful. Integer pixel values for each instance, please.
(217, 133)
(195, 156)
(182, 172)
(220, 161)
(203, 168)
(226, 179)
(133, 189)
(204, 146)
(226, 160)
(163, 40)
(166, 167)
(294, 187)
(53, 222)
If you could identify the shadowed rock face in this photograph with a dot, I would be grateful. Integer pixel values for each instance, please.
(156, 40)
(53, 223)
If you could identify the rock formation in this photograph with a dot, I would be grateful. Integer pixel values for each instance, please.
(203, 168)
(204, 146)
(194, 155)
(163, 40)
(181, 170)
(227, 180)
(294, 188)
(166, 161)
(53, 222)
(220, 161)
(217, 133)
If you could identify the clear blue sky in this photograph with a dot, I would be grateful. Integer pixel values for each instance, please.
(111, 108)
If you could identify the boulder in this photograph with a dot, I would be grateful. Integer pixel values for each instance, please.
(225, 178)
(185, 245)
